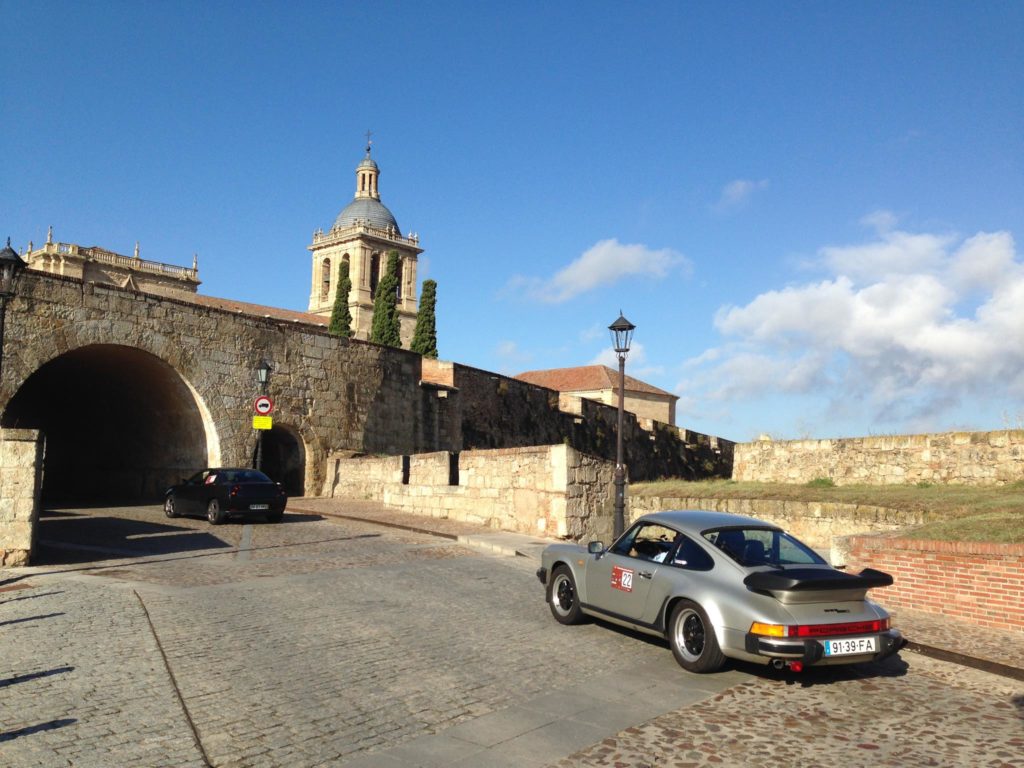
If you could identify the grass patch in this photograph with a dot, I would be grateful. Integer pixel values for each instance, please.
(991, 513)
(998, 527)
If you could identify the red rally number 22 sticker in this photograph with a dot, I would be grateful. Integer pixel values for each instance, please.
(622, 578)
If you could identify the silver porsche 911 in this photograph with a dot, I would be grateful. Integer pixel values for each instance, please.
(722, 586)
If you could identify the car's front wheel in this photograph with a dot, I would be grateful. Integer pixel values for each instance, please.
(693, 639)
(169, 509)
(563, 598)
(214, 513)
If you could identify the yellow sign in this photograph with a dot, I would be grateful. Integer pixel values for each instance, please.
(262, 422)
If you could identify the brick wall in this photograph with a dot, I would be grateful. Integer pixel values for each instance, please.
(20, 457)
(966, 458)
(981, 583)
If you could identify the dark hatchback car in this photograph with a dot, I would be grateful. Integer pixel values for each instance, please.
(223, 492)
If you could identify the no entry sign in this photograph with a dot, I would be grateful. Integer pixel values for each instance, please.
(263, 405)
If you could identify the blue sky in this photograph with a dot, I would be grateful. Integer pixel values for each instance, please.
(811, 211)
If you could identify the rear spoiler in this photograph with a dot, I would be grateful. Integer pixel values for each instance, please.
(805, 579)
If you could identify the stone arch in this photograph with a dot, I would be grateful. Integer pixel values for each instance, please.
(284, 458)
(121, 424)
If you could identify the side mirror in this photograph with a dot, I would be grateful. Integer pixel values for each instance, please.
(595, 547)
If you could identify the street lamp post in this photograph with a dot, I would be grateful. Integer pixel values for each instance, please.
(263, 371)
(622, 335)
(11, 266)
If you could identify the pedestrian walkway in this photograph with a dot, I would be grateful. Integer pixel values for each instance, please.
(954, 640)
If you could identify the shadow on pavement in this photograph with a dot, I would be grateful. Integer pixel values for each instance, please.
(33, 676)
(47, 726)
(74, 538)
(81, 535)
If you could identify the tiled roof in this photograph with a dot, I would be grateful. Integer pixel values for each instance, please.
(587, 378)
(257, 310)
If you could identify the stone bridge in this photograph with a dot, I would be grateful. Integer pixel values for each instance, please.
(132, 390)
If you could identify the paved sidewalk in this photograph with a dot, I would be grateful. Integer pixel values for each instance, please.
(992, 650)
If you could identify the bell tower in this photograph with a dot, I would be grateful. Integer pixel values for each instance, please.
(363, 234)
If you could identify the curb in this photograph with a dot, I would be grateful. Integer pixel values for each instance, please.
(953, 657)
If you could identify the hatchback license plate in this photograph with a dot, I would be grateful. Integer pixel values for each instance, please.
(259, 506)
(851, 646)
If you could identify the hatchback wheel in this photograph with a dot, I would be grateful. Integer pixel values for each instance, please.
(169, 509)
(214, 513)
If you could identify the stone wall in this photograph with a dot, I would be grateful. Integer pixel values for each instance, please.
(822, 525)
(502, 412)
(20, 457)
(981, 583)
(541, 490)
(968, 458)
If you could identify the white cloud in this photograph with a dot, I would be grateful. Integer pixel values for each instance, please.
(605, 263)
(736, 193)
(895, 253)
(635, 360)
(908, 327)
(880, 221)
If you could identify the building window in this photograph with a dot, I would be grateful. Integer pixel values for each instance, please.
(325, 280)
(374, 274)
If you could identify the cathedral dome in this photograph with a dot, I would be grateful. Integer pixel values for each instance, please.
(366, 210)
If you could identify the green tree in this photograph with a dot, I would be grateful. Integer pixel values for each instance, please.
(424, 339)
(341, 318)
(386, 328)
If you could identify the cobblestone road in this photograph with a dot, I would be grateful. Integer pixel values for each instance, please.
(335, 642)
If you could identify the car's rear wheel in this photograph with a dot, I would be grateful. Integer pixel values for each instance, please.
(214, 513)
(563, 598)
(169, 509)
(693, 639)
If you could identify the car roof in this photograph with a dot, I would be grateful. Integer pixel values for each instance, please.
(695, 521)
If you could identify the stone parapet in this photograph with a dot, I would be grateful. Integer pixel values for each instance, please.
(965, 458)
(539, 490)
(822, 525)
(21, 452)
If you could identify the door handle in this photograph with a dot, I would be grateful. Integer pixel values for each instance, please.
(645, 574)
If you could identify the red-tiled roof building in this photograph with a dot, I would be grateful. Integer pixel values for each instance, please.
(601, 383)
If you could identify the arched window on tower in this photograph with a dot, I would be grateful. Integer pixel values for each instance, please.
(325, 280)
(374, 273)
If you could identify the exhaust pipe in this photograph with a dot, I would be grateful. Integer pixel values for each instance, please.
(793, 666)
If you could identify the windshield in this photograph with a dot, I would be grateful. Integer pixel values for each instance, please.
(762, 546)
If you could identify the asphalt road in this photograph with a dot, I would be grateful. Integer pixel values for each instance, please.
(150, 642)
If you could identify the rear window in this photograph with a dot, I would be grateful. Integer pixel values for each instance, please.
(762, 546)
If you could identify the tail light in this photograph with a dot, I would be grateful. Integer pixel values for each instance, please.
(820, 630)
